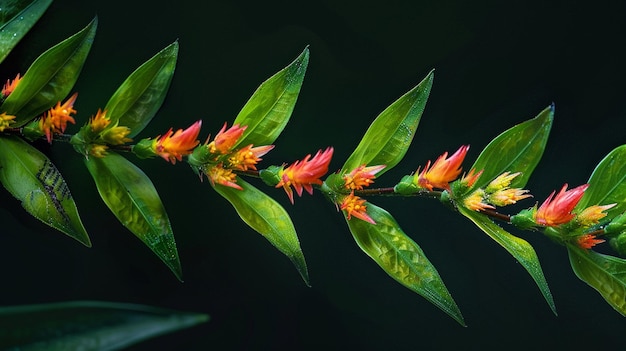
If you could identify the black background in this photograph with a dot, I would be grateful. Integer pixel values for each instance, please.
(496, 64)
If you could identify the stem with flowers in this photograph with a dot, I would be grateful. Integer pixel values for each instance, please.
(35, 106)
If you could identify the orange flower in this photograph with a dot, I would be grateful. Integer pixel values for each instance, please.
(5, 120)
(99, 122)
(55, 120)
(475, 201)
(223, 176)
(593, 214)
(361, 176)
(8, 88)
(556, 210)
(443, 171)
(355, 206)
(471, 177)
(304, 173)
(174, 147)
(226, 139)
(247, 157)
(587, 241)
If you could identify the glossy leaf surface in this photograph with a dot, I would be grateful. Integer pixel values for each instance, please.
(50, 78)
(34, 180)
(607, 183)
(87, 325)
(517, 149)
(519, 248)
(16, 19)
(606, 274)
(268, 218)
(388, 138)
(138, 99)
(399, 256)
(131, 196)
(269, 108)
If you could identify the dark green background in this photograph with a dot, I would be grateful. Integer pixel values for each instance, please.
(496, 64)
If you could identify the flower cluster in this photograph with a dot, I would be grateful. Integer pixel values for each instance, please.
(358, 178)
(497, 193)
(443, 171)
(99, 133)
(305, 173)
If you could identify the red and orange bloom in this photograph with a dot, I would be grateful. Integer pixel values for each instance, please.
(593, 214)
(510, 196)
(5, 121)
(355, 206)
(55, 120)
(173, 146)
(10, 85)
(557, 210)
(302, 174)
(247, 157)
(475, 201)
(471, 177)
(361, 176)
(443, 171)
(219, 175)
(587, 241)
(226, 139)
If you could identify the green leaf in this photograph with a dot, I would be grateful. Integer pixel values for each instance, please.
(268, 110)
(137, 100)
(50, 78)
(606, 274)
(16, 19)
(131, 196)
(607, 184)
(268, 218)
(87, 325)
(517, 247)
(34, 180)
(518, 149)
(388, 138)
(402, 258)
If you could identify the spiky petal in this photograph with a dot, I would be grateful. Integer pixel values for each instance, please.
(302, 174)
(557, 210)
(443, 170)
(173, 146)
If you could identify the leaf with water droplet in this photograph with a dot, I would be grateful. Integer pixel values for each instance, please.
(16, 19)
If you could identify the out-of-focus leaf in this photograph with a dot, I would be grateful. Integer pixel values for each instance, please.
(388, 138)
(518, 149)
(606, 274)
(34, 180)
(87, 325)
(16, 19)
(517, 247)
(51, 77)
(137, 100)
(607, 184)
(268, 110)
(268, 218)
(131, 196)
(402, 258)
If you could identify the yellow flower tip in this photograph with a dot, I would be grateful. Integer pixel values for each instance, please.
(226, 139)
(361, 176)
(501, 182)
(593, 214)
(557, 210)
(98, 150)
(55, 120)
(443, 170)
(223, 176)
(99, 122)
(116, 135)
(5, 121)
(302, 174)
(504, 197)
(475, 201)
(173, 146)
(355, 206)
(248, 157)
(587, 241)
(10, 85)
(471, 177)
